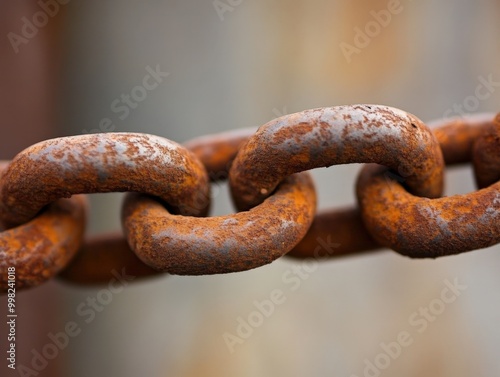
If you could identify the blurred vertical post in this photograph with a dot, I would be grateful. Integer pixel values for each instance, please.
(29, 62)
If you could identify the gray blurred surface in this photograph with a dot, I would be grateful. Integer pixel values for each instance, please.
(264, 59)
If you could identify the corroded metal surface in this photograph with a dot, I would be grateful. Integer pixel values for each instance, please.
(337, 135)
(343, 228)
(40, 248)
(193, 246)
(100, 256)
(172, 184)
(101, 259)
(457, 136)
(335, 233)
(486, 155)
(103, 254)
(59, 168)
(429, 228)
(218, 151)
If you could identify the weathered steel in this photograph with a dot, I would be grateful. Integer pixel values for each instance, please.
(194, 246)
(112, 162)
(457, 136)
(218, 151)
(486, 155)
(42, 247)
(171, 184)
(336, 135)
(430, 228)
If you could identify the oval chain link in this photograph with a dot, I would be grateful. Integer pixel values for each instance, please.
(400, 203)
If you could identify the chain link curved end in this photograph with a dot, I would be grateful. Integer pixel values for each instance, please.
(425, 228)
(201, 246)
(337, 135)
(486, 155)
(42, 247)
(100, 163)
(264, 171)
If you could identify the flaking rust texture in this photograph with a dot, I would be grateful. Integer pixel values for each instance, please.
(337, 135)
(342, 227)
(94, 163)
(194, 246)
(42, 247)
(486, 155)
(430, 228)
(102, 254)
(263, 170)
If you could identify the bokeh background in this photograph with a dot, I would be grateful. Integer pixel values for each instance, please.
(241, 66)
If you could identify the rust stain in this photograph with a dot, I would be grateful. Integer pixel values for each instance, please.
(113, 162)
(337, 135)
(429, 228)
(192, 246)
(43, 246)
(486, 155)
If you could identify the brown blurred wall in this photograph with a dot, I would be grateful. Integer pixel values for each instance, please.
(29, 108)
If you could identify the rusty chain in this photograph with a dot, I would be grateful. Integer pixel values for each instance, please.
(165, 228)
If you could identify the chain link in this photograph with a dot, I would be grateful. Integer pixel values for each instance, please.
(423, 228)
(163, 216)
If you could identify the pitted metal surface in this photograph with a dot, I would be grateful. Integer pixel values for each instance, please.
(194, 246)
(399, 200)
(118, 162)
(42, 247)
(486, 155)
(430, 228)
(337, 135)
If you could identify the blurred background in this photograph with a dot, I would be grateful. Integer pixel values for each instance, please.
(233, 64)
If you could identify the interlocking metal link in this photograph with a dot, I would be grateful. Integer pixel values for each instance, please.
(335, 233)
(399, 200)
(486, 155)
(457, 136)
(338, 135)
(42, 247)
(218, 151)
(59, 168)
(102, 255)
(246, 240)
(332, 136)
(350, 235)
(430, 228)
